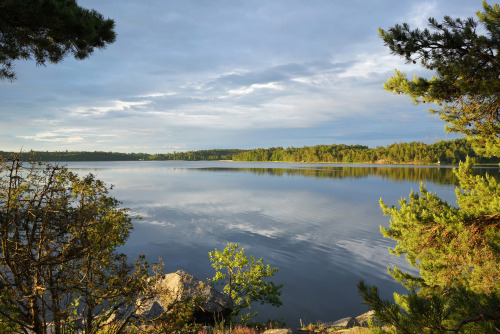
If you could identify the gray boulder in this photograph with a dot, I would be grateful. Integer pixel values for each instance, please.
(363, 318)
(278, 331)
(348, 322)
(177, 287)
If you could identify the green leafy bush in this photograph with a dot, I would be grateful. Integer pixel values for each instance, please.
(243, 277)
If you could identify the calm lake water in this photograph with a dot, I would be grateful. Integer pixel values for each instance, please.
(319, 223)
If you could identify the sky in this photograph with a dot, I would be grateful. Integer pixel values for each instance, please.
(196, 74)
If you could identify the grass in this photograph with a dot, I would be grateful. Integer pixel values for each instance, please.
(238, 329)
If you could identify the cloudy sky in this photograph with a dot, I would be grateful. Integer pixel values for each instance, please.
(199, 74)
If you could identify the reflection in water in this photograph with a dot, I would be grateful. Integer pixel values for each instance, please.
(318, 223)
(439, 175)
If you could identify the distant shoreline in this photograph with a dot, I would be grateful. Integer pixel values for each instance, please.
(414, 153)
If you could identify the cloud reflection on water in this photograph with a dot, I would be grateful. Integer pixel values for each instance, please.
(323, 232)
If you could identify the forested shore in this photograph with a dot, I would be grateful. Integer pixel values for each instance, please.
(444, 152)
(216, 154)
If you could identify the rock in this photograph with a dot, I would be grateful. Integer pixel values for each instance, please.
(278, 331)
(348, 322)
(178, 286)
(363, 318)
(151, 309)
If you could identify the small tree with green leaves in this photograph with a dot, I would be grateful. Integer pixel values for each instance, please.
(59, 235)
(243, 277)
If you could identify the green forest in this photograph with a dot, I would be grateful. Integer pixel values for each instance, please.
(216, 154)
(447, 152)
(444, 152)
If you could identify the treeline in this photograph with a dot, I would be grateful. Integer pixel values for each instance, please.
(445, 152)
(77, 156)
(216, 154)
(448, 152)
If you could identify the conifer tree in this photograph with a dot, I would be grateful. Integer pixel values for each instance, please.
(49, 30)
(466, 85)
(455, 248)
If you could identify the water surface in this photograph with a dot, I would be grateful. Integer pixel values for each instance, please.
(319, 223)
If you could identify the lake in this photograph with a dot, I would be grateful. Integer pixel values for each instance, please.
(319, 223)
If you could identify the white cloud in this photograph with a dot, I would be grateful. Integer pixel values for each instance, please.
(366, 65)
(55, 137)
(204, 73)
(420, 13)
(115, 105)
(155, 95)
(252, 88)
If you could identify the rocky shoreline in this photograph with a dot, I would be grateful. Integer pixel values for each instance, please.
(216, 304)
(175, 287)
(344, 325)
